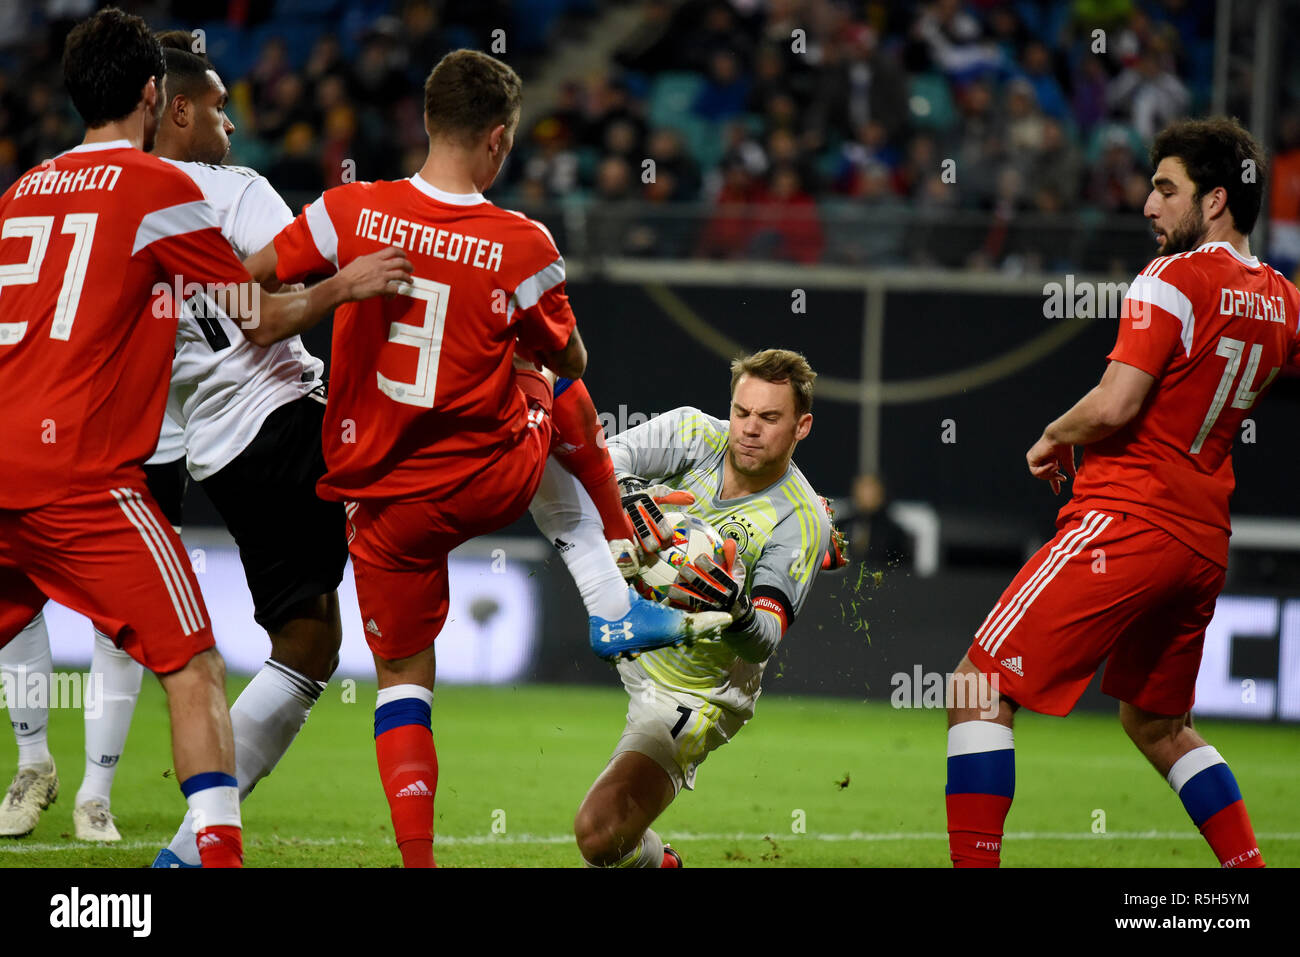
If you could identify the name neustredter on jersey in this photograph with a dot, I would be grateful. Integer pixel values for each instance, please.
(429, 240)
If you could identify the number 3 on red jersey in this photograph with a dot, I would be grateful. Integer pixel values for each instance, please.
(38, 228)
(427, 337)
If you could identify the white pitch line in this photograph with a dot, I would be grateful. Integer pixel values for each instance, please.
(483, 840)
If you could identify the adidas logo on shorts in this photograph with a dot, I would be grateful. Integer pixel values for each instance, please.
(373, 629)
(1014, 664)
(416, 789)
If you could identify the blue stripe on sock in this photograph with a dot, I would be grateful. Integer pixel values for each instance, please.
(208, 779)
(561, 385)
(400, 712)
(1209, 792)
(986, 772)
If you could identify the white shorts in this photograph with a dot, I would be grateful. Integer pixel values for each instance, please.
(674, 729)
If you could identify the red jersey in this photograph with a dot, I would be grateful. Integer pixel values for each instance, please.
(422, 385)
(84, 363)
(1215, 329)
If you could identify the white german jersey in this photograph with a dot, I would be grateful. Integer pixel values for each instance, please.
(223, 386)
(781, 535)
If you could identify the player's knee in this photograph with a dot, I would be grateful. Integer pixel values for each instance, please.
(597, 833)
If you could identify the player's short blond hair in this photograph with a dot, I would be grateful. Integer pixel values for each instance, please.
(779, 365)
(470, 93)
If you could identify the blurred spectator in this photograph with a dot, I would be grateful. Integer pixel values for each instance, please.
(726, 90)
(1056, 166)
(652, 47)
(858, 83)
(1147, 95)
(670, 157)
(1089, 101)
(1038, 70)
(271, 67)
(868, 150)
(552, 162)
(728, 230)
(955, 41)
(718, 31)
(786, 220)
(298, 169)
(1112, 170)
(285, 106)
(875, 539)
(1284, 198)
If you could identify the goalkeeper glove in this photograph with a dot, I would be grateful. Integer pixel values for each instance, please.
(837, 554)
(707, 585)
(641, 501)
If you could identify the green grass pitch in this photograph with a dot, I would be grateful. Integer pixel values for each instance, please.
(810, 783)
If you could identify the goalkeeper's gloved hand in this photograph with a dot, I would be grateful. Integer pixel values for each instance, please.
(707, 585)
(837, 553)
(641, 501)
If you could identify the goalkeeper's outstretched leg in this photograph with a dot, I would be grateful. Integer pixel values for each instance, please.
(613, 823)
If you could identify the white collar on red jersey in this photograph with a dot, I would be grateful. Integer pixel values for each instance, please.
(1251, 261)
(442, 196)
(91, 147)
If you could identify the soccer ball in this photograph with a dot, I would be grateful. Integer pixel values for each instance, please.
(692, 538)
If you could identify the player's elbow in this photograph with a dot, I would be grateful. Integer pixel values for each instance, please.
(571, 361)
(1117, 409)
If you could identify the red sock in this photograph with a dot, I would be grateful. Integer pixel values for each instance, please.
(581, 450)
(408, 768)
(1232, 838)
(975, 824)
(221, 846)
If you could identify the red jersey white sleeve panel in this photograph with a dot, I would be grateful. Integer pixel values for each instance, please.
(87, 238)
(1157, 319)
(423, 396)
(540, 310)
(1215, 328)
(309, 246)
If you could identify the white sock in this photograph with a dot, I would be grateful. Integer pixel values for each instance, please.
(23, 659)
(566, 515)
(116, 678)
(266, 718)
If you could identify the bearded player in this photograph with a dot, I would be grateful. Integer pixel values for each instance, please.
(1204, 331)
(686, 702)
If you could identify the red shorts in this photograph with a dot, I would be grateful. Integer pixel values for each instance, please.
(399, 547)
(1108, 586)
(114, 557)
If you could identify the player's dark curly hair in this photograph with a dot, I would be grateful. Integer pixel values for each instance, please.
(1218, 152)
(470, 93)
(107, 60)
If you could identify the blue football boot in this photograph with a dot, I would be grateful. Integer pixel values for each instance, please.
(648, 626)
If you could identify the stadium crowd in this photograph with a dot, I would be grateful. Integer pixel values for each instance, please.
(771, 125)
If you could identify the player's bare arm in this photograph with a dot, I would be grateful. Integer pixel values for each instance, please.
(1108, 407)
(571, 361)
(282, 315)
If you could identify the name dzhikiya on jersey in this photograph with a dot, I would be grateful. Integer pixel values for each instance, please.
(429, 240)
